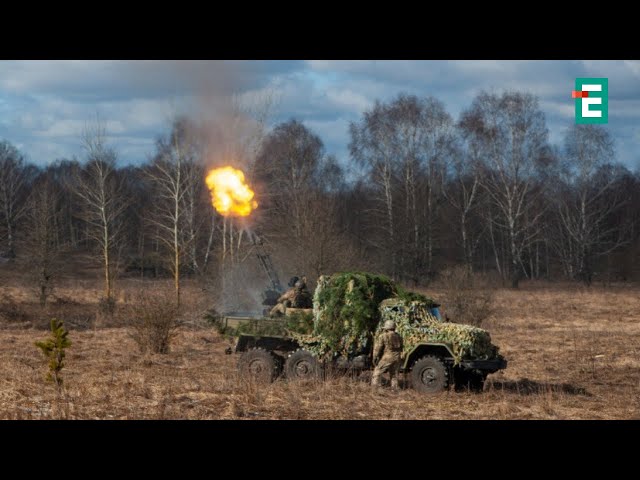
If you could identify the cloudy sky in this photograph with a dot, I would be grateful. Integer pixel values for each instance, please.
(44, 105)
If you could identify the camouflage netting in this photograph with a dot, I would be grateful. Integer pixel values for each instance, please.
(415, 324)
(350, 308)
(346, 311)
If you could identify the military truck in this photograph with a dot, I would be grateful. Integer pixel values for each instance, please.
(437, 353)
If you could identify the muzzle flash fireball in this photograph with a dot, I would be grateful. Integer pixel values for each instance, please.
(231, 196)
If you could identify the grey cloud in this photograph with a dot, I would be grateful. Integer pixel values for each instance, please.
(140, 96)
(89, 81)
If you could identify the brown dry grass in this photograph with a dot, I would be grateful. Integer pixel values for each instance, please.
(573, 354)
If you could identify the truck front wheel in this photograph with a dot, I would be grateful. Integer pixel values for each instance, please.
(259, 364)
(429, 375)
(302, 364)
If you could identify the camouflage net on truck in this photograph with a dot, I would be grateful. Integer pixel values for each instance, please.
(346, 313)
(417, 325)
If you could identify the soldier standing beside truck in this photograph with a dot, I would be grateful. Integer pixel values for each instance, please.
(387, 353)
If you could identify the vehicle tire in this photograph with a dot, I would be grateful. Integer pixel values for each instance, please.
(472, 380)
(260, 365)
(429, 375)
(302, 364)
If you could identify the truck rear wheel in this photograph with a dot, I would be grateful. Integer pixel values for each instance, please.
(260, 365)
(429, 375)
(302, 364)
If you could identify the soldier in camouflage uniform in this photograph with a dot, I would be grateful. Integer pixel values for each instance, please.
(387, 353)
(303, 298)
(285, 301)
(297, 297)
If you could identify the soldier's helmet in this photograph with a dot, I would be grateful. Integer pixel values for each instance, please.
(389, 325)
(293, 280)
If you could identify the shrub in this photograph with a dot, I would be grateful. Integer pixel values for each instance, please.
(107, 305)
(10, 311)
(155, 322)
(213, 318)
(468, 296)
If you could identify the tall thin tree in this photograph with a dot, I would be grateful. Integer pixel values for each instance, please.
(171, 173)
(101, 192)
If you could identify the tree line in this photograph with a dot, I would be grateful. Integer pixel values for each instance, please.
(420, 192)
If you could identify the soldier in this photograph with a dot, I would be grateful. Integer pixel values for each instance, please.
(290, 298)
(386, 354)
(302, 297)
(297, 296)
(286, 300)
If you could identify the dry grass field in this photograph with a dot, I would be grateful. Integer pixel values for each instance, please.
(573, 353)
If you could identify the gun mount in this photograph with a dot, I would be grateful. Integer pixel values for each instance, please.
(270, 295)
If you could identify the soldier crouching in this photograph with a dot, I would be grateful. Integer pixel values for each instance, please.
(387, 355)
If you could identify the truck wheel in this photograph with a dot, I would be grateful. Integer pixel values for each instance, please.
(302, 364)
(429, 375)
(259, 365)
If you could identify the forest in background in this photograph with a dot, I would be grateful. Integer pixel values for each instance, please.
(420, 192)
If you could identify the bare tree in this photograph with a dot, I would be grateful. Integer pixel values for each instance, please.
(14, 180)
(326, 247)
(409, 135)
(196, 201)
(101, 191)
(586, 199)
(43, 215)
(173, 173)
(464, 191)
(212, 229)
(514, 131)
(438, 150)
(372, 147)
(63, 172)
(298, 185)
(405, 146)
(289, 165)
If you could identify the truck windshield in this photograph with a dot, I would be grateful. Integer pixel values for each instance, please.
(435, 311)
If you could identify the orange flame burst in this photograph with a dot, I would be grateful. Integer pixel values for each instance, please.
(230, 195)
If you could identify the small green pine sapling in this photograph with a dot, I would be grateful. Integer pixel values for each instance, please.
(54, 350)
